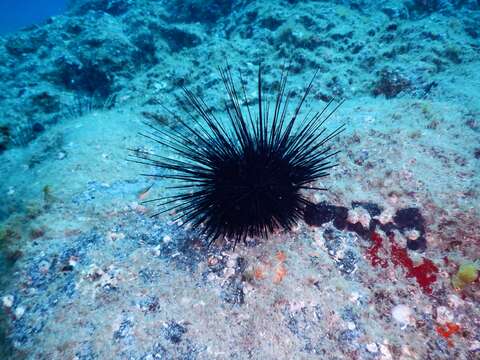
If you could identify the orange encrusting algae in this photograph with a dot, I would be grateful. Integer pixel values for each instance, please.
(280, 273)
(281, 256)
(258, 274)
(281, 270)
(448, 330)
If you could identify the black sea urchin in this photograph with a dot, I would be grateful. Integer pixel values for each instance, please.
(243, 176)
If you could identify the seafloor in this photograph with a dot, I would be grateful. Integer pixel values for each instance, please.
(382, 268)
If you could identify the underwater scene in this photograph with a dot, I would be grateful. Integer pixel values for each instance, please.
(244, 179)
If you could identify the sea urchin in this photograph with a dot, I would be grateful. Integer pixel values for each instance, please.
(243, 176)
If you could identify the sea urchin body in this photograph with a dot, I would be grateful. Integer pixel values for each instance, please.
(245, 175)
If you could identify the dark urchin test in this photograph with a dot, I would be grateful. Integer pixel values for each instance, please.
(242, 175)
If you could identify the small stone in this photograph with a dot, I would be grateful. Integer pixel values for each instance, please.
(407, 353)
(351, 325)
(403, 315)
(454, 301)
(94, 273)
(44, 266)
(232, 261)
(372, 348)
(386, 354)
(7, 301)
(475, 346)
(364, 219)
(19, 311)
(228, 272)
(157, 250)
(353, 216)
(386, 216)
(67, 268)
(112, 236)
(412, 234)
(72, 261)
(354, 296)
(444, 315)
(400, 239)
(212, 261)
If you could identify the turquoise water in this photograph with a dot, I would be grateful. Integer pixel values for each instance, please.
(383, 264)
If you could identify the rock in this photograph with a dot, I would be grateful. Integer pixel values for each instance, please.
(232, 292)
(340, 249)
(392, 27)
(180, 37)
(38, 128)
(372, 208)
(158, 352)
(390, 83)
(112, 7)
(472, 31)
(24, 42)
(410, 218)
(125, 329)
(424, 6)
(394, 9)
(67, 268)
(207, 11)
(316, 215)
(173, 332)
(13, 256)
(271, 23)
(44, 102)
(417, 244)
(85, 77)
(146, 49)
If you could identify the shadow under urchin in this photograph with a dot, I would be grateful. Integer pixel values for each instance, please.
(245, 174)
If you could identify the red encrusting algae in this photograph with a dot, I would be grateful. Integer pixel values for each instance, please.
(372, 252)
(425, 273)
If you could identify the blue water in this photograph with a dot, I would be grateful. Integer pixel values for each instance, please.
(15, 14)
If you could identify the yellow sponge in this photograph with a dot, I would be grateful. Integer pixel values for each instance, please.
(467, 273)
